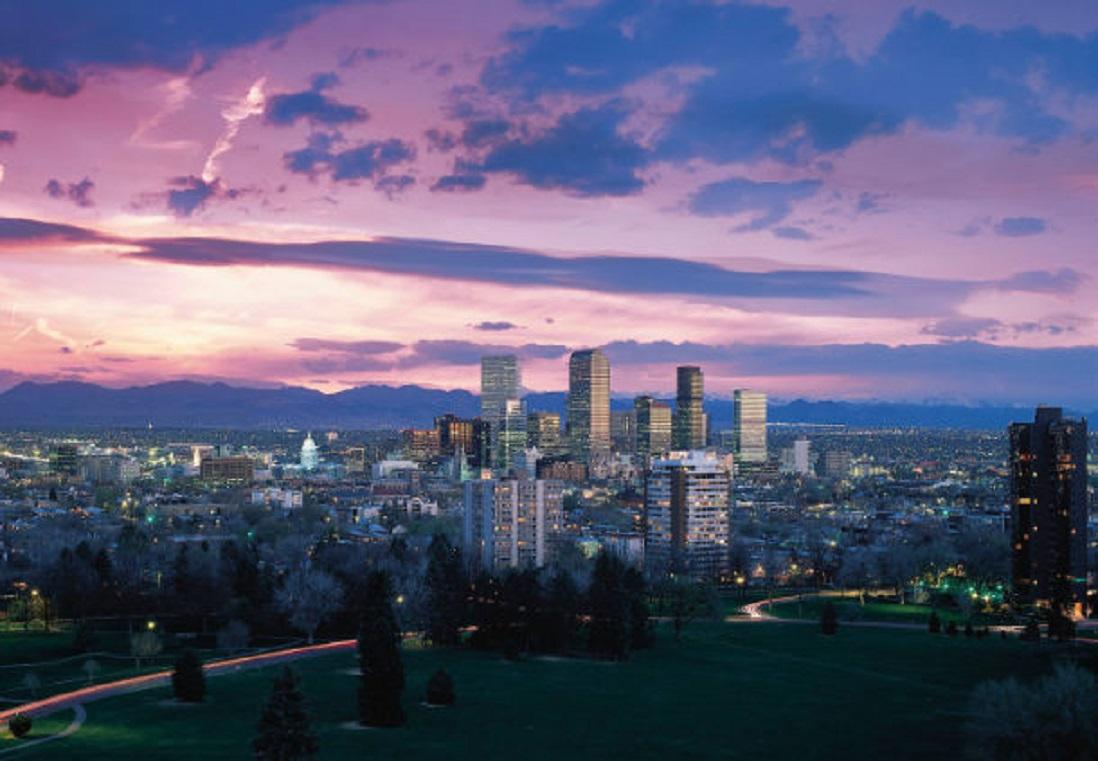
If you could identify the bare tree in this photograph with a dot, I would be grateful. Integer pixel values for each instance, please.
(308, 597)
(1055, 718)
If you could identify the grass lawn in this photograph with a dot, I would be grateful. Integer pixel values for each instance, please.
(730, 691)
(42, 727)
(849, 609)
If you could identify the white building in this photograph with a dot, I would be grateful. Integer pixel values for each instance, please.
(512, 523)
(284, 499)
(310, 454)
(797, 459)
(687, 504)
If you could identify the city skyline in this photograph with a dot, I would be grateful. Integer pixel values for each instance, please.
(345, 198)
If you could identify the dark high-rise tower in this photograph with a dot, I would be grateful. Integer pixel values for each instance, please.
(1048, 494)
(689, 427)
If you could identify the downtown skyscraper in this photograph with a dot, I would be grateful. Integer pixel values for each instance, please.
(1048, 496)
(689, 423)
(749, 426)
(588, 405)
(653, 426)
(501, 407)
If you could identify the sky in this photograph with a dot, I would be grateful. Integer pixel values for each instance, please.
(823, 199)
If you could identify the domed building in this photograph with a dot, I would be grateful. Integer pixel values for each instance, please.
(310, 455)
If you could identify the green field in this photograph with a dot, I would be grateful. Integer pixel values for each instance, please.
(744, 690)
(849, 609)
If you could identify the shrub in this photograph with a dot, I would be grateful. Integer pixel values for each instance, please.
(440, 689)
(188, 681)
(934, 623)
(829, 619)
(19, 725)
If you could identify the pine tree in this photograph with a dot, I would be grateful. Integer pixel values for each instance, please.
(445, 592)
(285, 733)
(188, 680)
(934, 623)
(557, 627)
(379, 658)
(640, 628)
(829, 619)
(608, 635)
(440, 689)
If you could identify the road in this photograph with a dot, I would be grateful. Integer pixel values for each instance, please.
(95, 692)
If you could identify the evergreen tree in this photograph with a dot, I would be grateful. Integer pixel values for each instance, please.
(829, 619)
(285, 733)
(556, 631)
(934, 623)
(486, 613)
(188, 679)
(379, 658)
(608, 634)
(440, 689)
(640, 627)
(522, 603)
(445, 592)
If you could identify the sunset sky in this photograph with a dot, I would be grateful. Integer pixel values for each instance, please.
(815, 198)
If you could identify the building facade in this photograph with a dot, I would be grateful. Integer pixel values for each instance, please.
(1048, 495)
(749, 426)
(512, 523)
(653, 426)
(588, 405)
(689, 422)
(543, 433)
(500, 388)
(687, 503)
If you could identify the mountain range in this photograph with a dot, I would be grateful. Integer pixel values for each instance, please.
(188, 404)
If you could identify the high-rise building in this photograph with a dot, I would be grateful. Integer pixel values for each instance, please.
(512, 523)
(797, 459)
(623, 430)
(749, 426)
(420, 444)
(500, 384)
(1048, 494)
(65, 459)
(588, 405)
(543, 432)
(689, 422)
(455, 433)
(653, 426)
(511, 436)
(687, 498)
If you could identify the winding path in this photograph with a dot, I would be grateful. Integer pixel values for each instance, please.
(76, 698)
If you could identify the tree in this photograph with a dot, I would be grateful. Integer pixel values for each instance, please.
(681, 599)
(934, 623)
(1054, 718)
(308, 597)
(145, 644)
(1031, 632)
(608, 635)
(557, 629)
(829, 619)
(640, 625)
(233, 636)
(446, 585)
(382, 679)
(951, 628)
(91, 668)
(20, 725)
(440, 689)
(188, 679)
(284, 732)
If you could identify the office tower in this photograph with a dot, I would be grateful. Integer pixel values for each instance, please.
(543, 432)
(797, 459)
(623, 430)
(500, 383)
(511, 436)
(749, 426)
(689, 422)
(687, 497)
(310, 454)
(420, 444)
(1048, 495)
(834, 463)
(480, 456)
(512, 523)
(455, 433)
(65, 459)
(653, 426)
(588, 405)
(354, 459)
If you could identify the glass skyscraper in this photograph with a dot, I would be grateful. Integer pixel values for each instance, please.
(689, 422)
(500, 384)
(749, 426)
(653, 426)
(588, 405)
